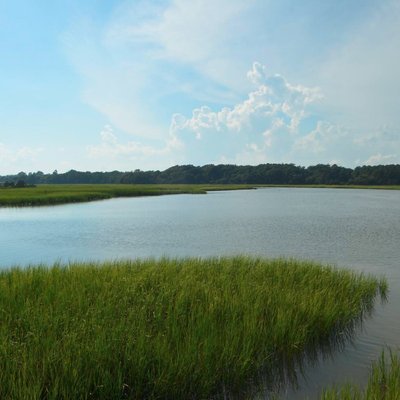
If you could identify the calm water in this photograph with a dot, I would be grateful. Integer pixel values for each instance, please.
(358, 229)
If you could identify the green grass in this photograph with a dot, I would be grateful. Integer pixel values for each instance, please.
(168, 329)
(383, 383)
(61, 194)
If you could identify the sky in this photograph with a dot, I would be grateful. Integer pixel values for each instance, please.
(100, 85)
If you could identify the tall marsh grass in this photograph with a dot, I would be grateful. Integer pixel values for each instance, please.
(42, 195)
(383, 382)
(167, 329)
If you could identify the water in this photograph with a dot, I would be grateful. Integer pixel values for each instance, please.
(358, 229)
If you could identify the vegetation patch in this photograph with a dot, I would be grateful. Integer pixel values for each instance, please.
(43, 195)
(168, 329)
(383, 383)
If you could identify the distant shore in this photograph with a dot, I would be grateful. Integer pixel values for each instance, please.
(54, 194)
(45, 195)
(381, 187)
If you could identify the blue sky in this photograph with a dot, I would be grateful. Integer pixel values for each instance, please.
(104, 85)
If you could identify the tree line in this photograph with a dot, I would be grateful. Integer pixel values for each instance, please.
(224, 173)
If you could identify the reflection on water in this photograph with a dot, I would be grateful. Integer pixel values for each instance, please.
(358, 229)
(283, 377)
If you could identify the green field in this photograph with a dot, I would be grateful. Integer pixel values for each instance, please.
(60, 194)
(169, 329)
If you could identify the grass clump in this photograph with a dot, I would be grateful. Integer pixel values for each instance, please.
(383, 383)
(167, 329)
(43, 195)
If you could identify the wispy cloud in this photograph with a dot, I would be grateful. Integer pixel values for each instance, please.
(360, 76)
(150, 61)
(277, 122)
(133, 154)
(19, 158)
(379, 159)
(201, 34)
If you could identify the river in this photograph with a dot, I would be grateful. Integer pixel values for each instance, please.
(357, 229)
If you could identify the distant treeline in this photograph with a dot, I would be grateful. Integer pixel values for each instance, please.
(278, 174)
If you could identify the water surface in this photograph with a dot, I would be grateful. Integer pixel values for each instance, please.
(358, 229)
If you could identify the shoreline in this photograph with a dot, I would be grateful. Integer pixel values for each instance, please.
(54, 194)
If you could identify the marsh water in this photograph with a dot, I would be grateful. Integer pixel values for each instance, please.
(357, 229)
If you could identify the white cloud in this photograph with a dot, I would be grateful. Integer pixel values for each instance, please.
(274, 102)
(199, 33)
(276, 123)
(379, 146)
(258, 74)
(111, 148)
(193, 31)
(153, 60)
(321, 138)
(135, 64)
(262, 127)
(346, 146)
(16, 159)
(13, 155)
(361, 76)
(146, 54)
(116, 80)
(379, 159)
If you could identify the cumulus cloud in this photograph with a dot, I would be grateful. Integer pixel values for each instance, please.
(264, 124)
(266, 120)
(152, 60)
(135, 64)
(277, 122)
(258, 74)
(260, 128)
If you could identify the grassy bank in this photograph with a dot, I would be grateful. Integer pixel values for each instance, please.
(383, 383)
(170, 329)
(61, 194)
(43, 195)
